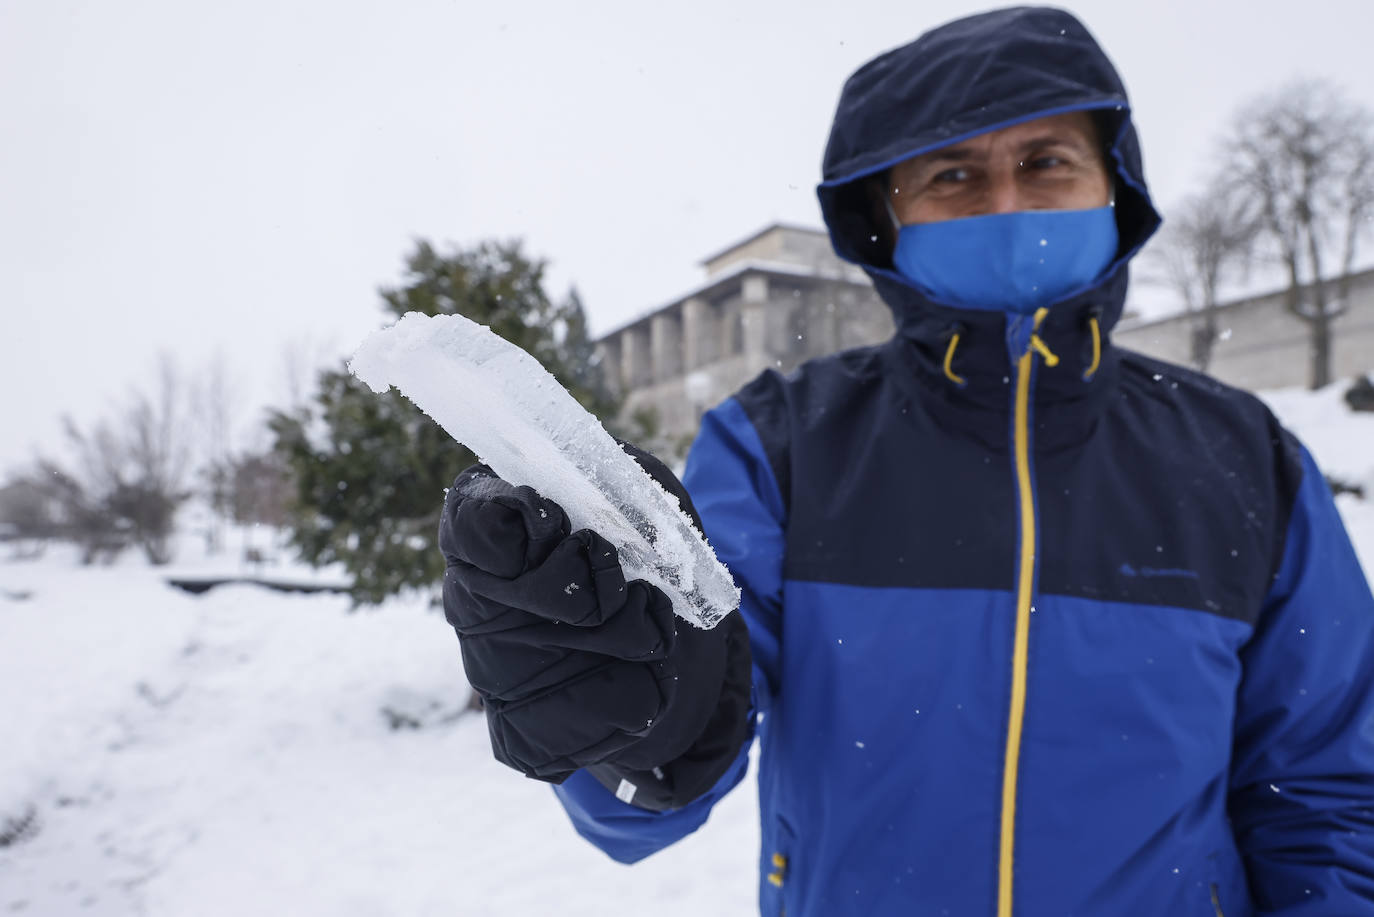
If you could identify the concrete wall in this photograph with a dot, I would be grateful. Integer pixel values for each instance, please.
(1263, 345)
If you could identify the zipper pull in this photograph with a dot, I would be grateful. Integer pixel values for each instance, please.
(1022, 337)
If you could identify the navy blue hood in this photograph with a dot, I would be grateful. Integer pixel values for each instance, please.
(970, 76)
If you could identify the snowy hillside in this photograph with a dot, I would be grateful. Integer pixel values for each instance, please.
(233, 753)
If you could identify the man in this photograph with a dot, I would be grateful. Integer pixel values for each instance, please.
(1034, 625)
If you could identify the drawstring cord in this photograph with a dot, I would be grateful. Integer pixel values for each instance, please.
(1038, 345)
(949, 359)
(1097, 347)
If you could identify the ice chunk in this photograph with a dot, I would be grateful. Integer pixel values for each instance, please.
(503, 405)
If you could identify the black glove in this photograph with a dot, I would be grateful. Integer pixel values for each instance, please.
(576, 667)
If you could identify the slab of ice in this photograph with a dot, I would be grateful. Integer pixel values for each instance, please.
(503, 405)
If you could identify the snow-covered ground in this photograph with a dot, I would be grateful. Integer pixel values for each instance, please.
(1343, 444)
(232, 753)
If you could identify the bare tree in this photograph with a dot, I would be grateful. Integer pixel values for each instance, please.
(302, 359)
(216, 401)
(82, 515)
(1206, 242)
(1305, 157)
(130, 475)
(261, 489)
(28, 515)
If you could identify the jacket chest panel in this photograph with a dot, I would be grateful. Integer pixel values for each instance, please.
(907, 508)
(1171, 529)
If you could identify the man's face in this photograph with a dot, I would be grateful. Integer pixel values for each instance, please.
(1052, 163)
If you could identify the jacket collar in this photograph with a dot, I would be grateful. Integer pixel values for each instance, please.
(1067, 398)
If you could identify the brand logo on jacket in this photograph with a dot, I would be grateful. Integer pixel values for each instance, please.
(1158, 572)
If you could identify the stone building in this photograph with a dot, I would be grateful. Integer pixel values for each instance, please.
(781, 297)
(777, 298)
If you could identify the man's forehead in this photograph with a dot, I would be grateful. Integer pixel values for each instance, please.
(1076, 128)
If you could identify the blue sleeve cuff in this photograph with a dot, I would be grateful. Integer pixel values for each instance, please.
(628, 834)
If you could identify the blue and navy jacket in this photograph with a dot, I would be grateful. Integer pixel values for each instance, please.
(1039, 626)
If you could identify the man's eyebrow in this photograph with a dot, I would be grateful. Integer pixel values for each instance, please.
(1028, 147)
(1043, 141)
(950, 154)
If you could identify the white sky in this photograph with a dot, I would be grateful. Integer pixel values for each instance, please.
(239, 178)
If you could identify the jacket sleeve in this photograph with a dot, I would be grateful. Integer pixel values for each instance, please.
(1302, 777)
(730, 479)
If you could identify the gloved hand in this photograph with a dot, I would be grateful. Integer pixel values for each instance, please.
(577, 667)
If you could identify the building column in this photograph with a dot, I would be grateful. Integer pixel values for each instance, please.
(665, 344)
(634, 359)
(754, 294)
(612, 363)
(698, 334)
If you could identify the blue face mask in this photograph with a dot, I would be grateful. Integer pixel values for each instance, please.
(1008, 262)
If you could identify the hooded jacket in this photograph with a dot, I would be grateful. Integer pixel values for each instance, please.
(1076, 639)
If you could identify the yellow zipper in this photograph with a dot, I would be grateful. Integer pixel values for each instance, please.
(1025, 583)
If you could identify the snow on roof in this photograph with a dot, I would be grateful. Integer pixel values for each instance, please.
(752, 237)
(848, 273)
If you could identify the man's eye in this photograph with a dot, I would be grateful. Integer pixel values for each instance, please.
(1041, 163)
(950, 176)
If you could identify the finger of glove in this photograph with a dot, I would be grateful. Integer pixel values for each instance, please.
(643, 629)
(497, 527)
(508, 671)
(518, 662)
(579, 583)
(578, 724)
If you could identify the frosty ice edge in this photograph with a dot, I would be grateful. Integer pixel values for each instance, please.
(503, 405)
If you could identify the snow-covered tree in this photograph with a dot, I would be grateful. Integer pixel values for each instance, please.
(370, 470)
